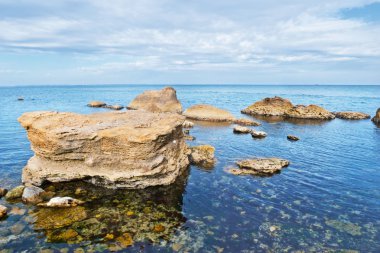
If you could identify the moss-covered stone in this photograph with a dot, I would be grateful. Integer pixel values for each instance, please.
(52, 218)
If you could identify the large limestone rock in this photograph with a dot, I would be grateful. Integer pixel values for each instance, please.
(164, 100)
(278, 106)
(132, 149)
(208, 113)
(376, 119)
(352, 115)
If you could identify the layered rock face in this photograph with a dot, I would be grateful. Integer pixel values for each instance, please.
(131, 149)
(208, 113)
(164, 100)
(376, 119)
(278, 106)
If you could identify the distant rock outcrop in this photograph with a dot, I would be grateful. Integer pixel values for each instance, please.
(278, 106)
(376, 119)
(164, 100)
(206, 112)
(132, 149)
(352, 115)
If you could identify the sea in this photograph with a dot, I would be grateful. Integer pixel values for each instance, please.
(327, 200)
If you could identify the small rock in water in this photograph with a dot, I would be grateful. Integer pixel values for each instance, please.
(186, 131)
(3, 211)
(114, 107)
(292, 138)
(352, 115)
(258, 134)
(206, 112)
(17, 228)
(20, 98)
(32, 194)
(15, 193)
(62, 202)
(242, 130)
(17, 211)
(187, 124)
(203, 156)
(273, 228)
(261, 166)
(246, 122)
(3, 192)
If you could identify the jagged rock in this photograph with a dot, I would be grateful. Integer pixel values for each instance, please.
(164, 100)
(62, 202)
(188, 124)
(114, 107)
(376, 119)
(352, 115)
(208, 113)
(15, 193)
(3, 192)
(203, 156)
(131, 149)
(258, 134)
(242, 130)
(32, 194)
(3, 211)
(278, 106)
(246, 122)
(261, 166)
(292, 138)
(309, 112)
(96, 104)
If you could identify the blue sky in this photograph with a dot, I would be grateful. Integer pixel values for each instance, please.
(189, 42)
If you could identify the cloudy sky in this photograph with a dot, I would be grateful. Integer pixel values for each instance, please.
(189, 42)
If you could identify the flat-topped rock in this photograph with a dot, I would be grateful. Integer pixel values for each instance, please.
(96, 104)
(352, 115)
(203, 156)
(246, 122)
(278, 106)
(376, 119)
(242, 130)
(260, 166)
(164, 100)
(258, 134)
(131, 149)
(206, 112)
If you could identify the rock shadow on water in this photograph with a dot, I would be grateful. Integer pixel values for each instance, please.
(115, 218)
(295, 121)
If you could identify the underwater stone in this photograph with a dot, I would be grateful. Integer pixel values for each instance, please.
(52, 218)
(15, 193)
(3, 211)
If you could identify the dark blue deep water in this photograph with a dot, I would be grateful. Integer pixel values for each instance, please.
(327, 200)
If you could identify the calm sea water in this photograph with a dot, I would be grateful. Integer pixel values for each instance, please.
(327, 200)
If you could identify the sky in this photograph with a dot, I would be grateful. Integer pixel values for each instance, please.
(189, 42)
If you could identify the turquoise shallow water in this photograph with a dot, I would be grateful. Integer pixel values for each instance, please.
(328, 199)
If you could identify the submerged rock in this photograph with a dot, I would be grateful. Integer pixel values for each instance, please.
(203, 156)
(376, 119)
(53, 218)
(3, 211)
(292, 138)
(3, 192)
(242, 130)
(345, 226)
(246, 122)
(32, 194)
(15, 193)
(188, 124)
(278, 106)
(352, 115)
(114, 107)
(258, 134)
(260, 166)
(208, 113)
(164, 100)
(96, 104)
(62, 202)
(132, 149)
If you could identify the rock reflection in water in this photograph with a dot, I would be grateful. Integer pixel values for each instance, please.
(117, 218)
(277, 119)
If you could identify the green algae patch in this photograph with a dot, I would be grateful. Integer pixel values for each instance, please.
(344, 226)
(53, 218)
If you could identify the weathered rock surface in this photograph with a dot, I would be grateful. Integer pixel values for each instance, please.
(376, 119)
(242, 130)
(292, 138)
(3, 192)
(32, 194)
(246, 122)
(131, 149)
(208, 113)
(188, 124)
(15, 193)
(3, 211)
(352, 115)
(203, 156)
(96, 104)
(164, 100)
(258, 134)
(261, 166)
(62, 202)
(278, 106)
